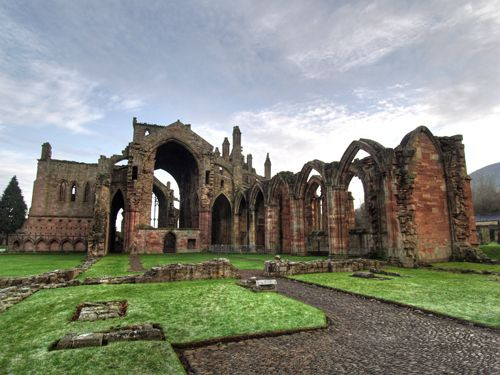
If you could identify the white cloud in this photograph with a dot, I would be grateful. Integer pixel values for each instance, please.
(51, 96)
(296, 133)
(21, 165)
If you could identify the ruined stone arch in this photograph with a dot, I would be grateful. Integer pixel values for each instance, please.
(374, 149)
(241, 213)
(115, 243)
(182, 162)
(303, 176)
(257, 205)
(221, 214)
(376, 184)
(257, 188)
(315, 207)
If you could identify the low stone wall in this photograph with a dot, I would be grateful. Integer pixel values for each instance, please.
(152, 241)
(286, 268)
(53, 277)
(214, 269)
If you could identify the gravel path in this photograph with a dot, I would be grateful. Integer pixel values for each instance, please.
(366, 337)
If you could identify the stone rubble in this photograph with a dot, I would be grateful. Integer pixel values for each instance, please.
(136, 332)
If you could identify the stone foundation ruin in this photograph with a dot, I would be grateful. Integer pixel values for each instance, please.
(418, 205)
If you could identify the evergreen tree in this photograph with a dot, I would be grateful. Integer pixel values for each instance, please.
(12, 208)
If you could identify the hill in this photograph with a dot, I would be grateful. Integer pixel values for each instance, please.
(491, 171)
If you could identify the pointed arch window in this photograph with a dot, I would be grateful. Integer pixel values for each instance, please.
(62, 191)
(73, 192)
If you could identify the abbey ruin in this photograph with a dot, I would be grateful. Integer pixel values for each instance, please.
(418, 205)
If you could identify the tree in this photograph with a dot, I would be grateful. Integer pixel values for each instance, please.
(12, 208)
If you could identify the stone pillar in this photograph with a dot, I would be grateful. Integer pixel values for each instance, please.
(251, 229)
(338, 236)
(270, 229)
(298, 246)
(205, 221)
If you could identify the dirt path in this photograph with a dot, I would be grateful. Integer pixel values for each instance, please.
(366, 337)
(135, 263)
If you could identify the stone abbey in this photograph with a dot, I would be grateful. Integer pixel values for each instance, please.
(418, 205)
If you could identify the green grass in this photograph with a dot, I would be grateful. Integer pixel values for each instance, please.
(16, 265)
(110, 265)
(240, 261)
(469, 266)
(188, 311)
(466, 296)
(492, 250)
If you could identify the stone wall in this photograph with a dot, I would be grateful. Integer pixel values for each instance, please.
(53, 277)
(152, 241)
(279, 268)
(214, 269)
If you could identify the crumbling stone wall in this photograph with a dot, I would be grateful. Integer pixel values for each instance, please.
(286, 268)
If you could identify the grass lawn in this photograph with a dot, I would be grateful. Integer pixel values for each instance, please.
(110, 265)
(466, 296)
(240, 261)
(492, 250)
(188, 311)
(33, 264)
(469, 266)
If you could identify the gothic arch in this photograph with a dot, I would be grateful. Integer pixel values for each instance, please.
(256, 188)
(41, 245)
(374, 149)
(302, 178)
(221, 220)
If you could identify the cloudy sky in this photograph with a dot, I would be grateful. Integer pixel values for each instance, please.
(302, 79)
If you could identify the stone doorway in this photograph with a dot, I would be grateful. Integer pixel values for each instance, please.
(169, 244)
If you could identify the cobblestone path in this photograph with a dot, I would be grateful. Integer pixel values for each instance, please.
(366, 337)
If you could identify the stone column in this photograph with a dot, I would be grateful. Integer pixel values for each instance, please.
(338, 236)
(251, 229)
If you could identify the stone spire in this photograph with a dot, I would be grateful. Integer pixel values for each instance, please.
(267, 167)
(236, 152)
(249, 162)
(46, 151)
(225, 149)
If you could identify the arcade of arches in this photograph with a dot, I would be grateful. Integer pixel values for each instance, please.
(417, 204)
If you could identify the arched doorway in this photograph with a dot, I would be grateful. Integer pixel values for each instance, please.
(175, 159)
(169, 243)
(115, 244)
(221, 221)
